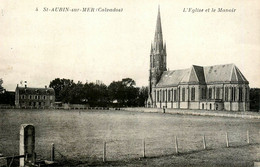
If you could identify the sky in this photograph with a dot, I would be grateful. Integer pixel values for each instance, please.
(38, 46)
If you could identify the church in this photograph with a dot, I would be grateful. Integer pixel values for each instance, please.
(217, 87)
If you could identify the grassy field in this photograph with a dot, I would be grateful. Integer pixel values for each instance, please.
(79, 136)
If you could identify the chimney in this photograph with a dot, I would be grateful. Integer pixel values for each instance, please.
(45, 86)
(25, 84)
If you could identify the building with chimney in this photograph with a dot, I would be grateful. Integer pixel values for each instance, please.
(28, 97)
(217, 87)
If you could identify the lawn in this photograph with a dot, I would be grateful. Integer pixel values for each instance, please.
(79, 135)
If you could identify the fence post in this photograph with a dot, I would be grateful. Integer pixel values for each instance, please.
(176, 144)
(227, 140)
(248, 139)
(204, 142)
(52, 152)
(144, 147)
(104, 152)
(26, 157)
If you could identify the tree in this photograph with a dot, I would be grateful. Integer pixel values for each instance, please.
(143, 95)
(6, 97)
(124, 92)
(255, 99)
(75, 93)
(115, 91)
(61, 88)
(1, 87)
(128, 82)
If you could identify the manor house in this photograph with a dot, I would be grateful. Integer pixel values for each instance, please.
(27, 97)
(217, 87)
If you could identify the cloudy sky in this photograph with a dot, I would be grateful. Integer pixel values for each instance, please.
(38, 46)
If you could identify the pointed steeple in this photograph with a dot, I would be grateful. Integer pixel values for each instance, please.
(151, 52)
(158, 37)
(157, 59)
(164, 47)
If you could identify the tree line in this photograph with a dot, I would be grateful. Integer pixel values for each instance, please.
(254, 99)
(116, 94)
(122, 93)
(6, 97)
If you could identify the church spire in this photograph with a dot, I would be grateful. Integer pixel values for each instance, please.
(157, 60)
(151, 52)
(158, 37)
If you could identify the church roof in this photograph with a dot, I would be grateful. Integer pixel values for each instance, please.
(195, 75)
(227, 73)
(172, 78)
(224, 73)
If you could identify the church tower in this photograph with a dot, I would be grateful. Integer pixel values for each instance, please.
(157, 59)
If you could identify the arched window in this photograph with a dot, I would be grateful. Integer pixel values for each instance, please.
(166, 95)
(233, 94)
(193, 94)
(240, 94)
(218, 93)
(210, 93)
(226, 93)
(175, 95)
(158, 95)
(169, 95)
(235, 90)
(163, 96)
(203, 93)
(183, 94)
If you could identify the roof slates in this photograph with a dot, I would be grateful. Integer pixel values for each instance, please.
(198, 74)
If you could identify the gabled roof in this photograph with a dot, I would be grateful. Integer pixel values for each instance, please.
(223, 73)
(194, 76)
(35, 91)
(172, 78)
(200, 74)
(240, 76)
(227, 73)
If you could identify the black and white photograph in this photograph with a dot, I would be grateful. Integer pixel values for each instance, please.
(130, 83)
